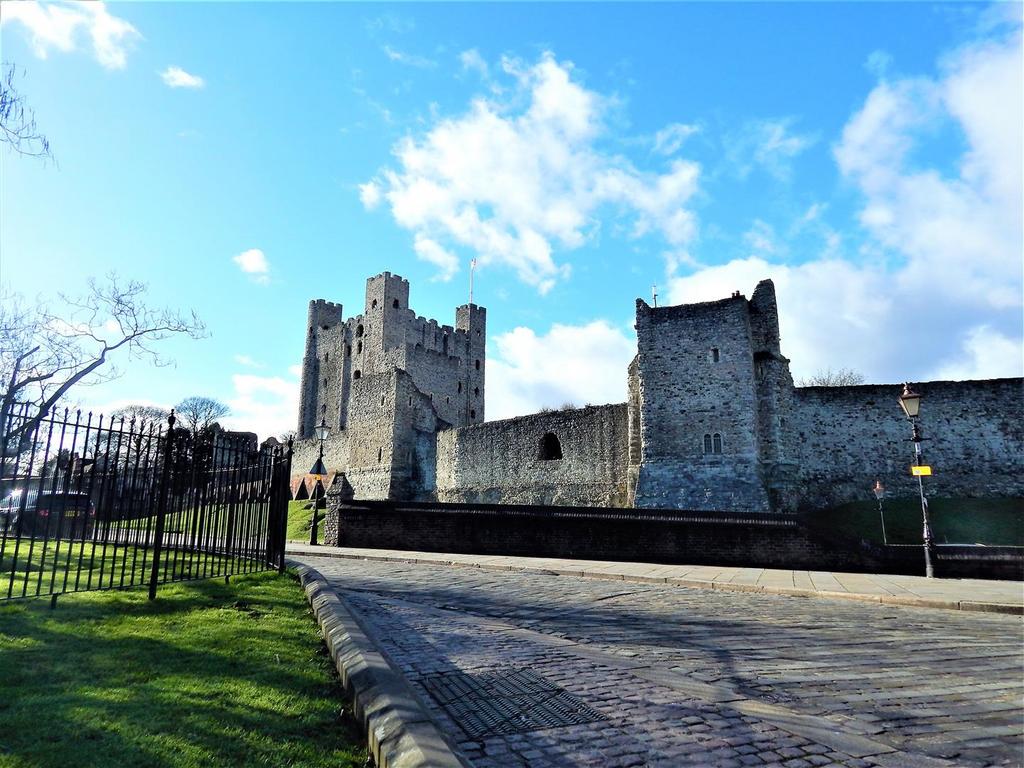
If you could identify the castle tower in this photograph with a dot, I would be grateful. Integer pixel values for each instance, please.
(324, 319)
(386, 381)
(385, 317)
(471, 319)
(696, 391)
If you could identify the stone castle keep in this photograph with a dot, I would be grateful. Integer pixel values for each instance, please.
(712, 422)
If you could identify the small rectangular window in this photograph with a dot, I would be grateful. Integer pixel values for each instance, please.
(714, 355)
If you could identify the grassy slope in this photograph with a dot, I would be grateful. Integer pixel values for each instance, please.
(954, 521)
(298, 522)
(208, 675)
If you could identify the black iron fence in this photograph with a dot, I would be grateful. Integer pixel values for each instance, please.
(88, 504)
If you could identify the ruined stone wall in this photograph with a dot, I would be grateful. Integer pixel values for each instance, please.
(850, 436)
(500, 462)
(695, 377)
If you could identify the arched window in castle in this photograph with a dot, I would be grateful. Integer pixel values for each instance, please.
(327, 356)
(460, 388)
(472, 414)
(395, 304)
(348, 350)
(478, 365)
(359, 347)
(550, 448)
(359, 330)
(373, 304)
(476, 391)
(707, 443)
(717, 440)
(356, 374)
(715, 356)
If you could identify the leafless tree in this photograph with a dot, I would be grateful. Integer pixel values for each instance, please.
(199, 414)
(844, 377)
(43, 354)
(141, 414)
(18, 127)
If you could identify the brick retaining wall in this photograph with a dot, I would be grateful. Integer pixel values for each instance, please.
(667, 536)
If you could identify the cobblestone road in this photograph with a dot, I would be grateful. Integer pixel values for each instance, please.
(672, 676)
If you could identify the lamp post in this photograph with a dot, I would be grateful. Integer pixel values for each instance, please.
(879, 491)
(319, 472)
(910, 402)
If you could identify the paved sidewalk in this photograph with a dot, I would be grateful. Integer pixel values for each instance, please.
(954, 594)
(529, 668)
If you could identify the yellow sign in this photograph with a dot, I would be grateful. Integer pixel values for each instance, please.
(922, 471)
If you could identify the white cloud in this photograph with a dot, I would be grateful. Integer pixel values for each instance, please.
(409, 59)
(62, 27)
(266, 405)
(577, 364)
(761, 238)
(254, 262)
(446, 262)
(513, 182)
(176, 77)
(985, 354)
(472, 60)
(669, 139)
(939, 292)
(369, 195)
(248, 362)
(767, 144)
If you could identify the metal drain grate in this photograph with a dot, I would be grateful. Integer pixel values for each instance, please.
(505, 702)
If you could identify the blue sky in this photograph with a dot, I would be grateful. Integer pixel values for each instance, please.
(865, 156)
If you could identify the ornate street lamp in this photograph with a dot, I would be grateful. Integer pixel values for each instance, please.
(910, 402)
(319, 473)
(879, 491)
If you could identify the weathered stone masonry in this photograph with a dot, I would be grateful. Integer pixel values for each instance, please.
(713, 421)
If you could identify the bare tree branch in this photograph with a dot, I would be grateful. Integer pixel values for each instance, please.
(844, 377)
(18, 127)
(43, 354)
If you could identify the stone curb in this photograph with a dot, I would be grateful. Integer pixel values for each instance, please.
(400, 732)
(913, 602)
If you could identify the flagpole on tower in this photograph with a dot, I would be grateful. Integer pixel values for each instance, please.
(654, 294)
(472, 266)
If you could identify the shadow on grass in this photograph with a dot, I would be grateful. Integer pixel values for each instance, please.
(208, 674)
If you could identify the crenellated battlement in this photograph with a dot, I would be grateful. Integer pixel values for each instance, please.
(444, 360)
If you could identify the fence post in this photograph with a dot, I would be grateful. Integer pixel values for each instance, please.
(161, 513)
(286, 485)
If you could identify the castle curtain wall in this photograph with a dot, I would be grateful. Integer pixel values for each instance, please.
(850, 436)
(503, 462)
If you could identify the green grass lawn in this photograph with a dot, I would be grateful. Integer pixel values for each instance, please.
(299, 519)
(42, 567)
(954, 521)
(207, 675)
